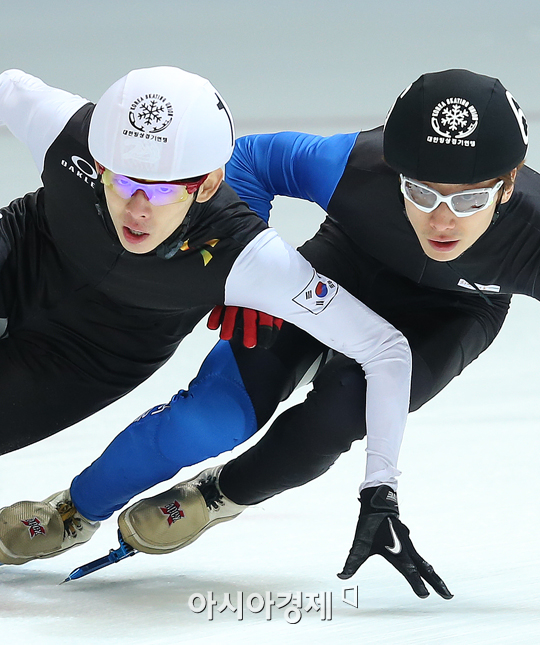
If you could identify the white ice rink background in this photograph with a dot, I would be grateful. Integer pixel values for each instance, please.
(469, 490)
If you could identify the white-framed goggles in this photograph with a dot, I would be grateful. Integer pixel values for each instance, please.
(462, 204)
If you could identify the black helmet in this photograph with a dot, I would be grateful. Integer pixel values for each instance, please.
(455, 127)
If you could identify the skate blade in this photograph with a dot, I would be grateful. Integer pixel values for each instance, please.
(115, 555)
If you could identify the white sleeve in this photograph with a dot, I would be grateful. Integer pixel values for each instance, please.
(272, 277)
(34, 112)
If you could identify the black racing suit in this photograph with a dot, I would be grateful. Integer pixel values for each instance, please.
(88, 321)
(449, 311)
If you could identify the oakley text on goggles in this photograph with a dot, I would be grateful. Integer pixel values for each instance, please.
(159, 194)
(462, 204)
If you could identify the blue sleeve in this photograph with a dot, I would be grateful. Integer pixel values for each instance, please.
(292, 164)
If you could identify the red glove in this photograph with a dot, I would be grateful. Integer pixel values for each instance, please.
(255, 328)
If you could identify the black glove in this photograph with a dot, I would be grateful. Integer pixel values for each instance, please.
(379, 530)
(254, 328)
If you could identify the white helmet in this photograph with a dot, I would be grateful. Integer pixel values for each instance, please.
(161, 124)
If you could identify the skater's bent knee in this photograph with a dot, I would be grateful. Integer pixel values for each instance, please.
(215, 415)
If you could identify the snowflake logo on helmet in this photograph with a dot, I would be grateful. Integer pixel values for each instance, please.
(151, 113)
(454, 118)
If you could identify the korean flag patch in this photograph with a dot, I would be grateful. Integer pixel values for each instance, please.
(317, 294)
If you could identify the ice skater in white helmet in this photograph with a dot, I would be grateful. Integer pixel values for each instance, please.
(132, 239)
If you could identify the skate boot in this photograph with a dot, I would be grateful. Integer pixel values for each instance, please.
(32, 530)
(172, 520)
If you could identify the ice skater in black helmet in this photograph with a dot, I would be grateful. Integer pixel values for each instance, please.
(132, 239)
(435, 221)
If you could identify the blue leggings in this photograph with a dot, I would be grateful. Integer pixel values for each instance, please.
(214, 415)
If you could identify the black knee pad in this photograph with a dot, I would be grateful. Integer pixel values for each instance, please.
(338, 400)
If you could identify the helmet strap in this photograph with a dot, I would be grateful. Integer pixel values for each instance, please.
(170, 247)
(174, 242)
(102, 209)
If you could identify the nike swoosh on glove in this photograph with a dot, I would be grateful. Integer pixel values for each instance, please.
(254, 328)
(380, 531)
